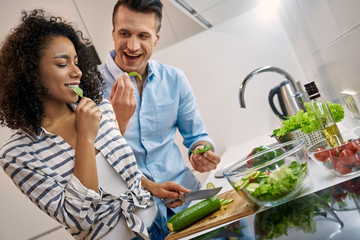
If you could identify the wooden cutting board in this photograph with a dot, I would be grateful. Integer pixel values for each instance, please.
(237, 209)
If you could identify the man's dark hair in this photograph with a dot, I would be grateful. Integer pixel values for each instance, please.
(142, 6)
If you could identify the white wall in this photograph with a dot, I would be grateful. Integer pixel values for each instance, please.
(216, 61)
(325, 35)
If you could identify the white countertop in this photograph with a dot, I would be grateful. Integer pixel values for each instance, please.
(318, 178)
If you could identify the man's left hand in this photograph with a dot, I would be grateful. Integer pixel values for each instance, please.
(205, 162)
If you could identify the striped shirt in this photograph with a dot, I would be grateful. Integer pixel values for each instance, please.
(41, 166)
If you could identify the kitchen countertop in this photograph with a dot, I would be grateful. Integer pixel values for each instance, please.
(317, 180)
(330, 213)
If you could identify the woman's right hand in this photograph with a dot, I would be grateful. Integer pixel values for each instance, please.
(88, 117)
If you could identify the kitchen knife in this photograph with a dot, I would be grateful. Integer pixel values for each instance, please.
(193, 195)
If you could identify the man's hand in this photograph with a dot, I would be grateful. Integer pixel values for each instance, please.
(205, 162)
(123, 100)
(165, 190)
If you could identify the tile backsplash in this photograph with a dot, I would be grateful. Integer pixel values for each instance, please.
(325, 35)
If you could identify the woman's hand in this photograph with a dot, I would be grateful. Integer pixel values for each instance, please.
(165, 190)
(88, 117)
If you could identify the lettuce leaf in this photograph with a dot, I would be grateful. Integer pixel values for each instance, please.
(281, 181)
(306, 121)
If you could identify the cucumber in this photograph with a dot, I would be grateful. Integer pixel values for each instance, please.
(193, 214)
(210, 185)
(251, 175)
(251, 187)
(241, 184)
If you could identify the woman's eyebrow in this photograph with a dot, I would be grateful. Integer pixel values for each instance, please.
(65, 56)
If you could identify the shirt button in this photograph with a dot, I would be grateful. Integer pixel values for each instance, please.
(148, 156)
(143, 139)
(155, 175)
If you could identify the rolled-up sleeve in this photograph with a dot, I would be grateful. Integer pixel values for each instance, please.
(190, 123)
(82, 199)
(70, 203)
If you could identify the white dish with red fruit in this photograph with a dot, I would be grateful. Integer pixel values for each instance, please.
(343, 160)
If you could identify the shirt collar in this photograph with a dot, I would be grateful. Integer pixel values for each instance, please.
(113, 68)
(152, 73)
(35, 137)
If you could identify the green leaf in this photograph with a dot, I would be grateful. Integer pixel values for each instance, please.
(135, 74)
(280, 182)
(78, 91)
(306, 121)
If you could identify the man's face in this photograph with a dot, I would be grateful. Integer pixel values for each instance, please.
(135, 37)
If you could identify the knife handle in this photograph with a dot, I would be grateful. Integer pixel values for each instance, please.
(170, 201)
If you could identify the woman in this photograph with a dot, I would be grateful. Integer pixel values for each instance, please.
(68, 155)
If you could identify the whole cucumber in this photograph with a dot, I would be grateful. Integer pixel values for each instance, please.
(193, 214)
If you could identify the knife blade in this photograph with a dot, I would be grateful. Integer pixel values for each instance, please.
(193, 195)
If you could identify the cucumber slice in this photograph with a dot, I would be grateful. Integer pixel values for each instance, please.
(226, 201)
(78, 91)
(252, 175)
(241, 184)
(135, 74)
(210, 185)
(251, 187)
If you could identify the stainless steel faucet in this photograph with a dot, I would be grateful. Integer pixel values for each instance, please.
(297, 96)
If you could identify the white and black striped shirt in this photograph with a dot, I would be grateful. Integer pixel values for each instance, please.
(42, 166)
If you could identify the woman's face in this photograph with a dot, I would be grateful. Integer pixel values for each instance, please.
(59, 71)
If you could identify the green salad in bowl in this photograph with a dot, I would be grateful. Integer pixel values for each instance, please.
(276, 180)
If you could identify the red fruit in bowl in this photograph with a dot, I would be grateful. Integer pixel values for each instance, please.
(343, 168)
(335, 151)
(357, 159)
(353, 146)
(321, 154)
(330, 163)
(347, 157)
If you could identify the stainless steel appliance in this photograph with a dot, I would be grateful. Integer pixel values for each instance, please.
(290, 98)
(286, 97)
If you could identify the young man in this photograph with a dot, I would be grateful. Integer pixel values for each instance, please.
(150, 109)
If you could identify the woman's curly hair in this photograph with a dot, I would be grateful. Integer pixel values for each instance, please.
(21, 90)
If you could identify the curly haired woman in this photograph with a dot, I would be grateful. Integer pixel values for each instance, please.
(67, 154)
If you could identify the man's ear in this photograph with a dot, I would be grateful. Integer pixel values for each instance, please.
(157, 39)
(112, 33)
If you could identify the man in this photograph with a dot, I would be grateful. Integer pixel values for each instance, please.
(150, 109)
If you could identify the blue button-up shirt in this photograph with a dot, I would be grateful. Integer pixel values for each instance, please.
(167, 104)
